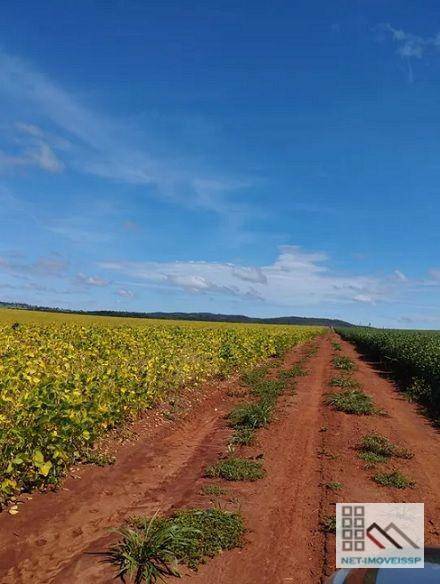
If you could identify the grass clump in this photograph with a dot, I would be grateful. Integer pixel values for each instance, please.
(336, 346)
(242, 437)
(328, 524)
(236, 469)
(254, 376)
(393, 479)
(334, 486)
(344, 383)
(372, 459)
(352, 402)
(250, 415)
(344, 363)
(294, 371)
(213, 490)
(268, 389)
(147, 552)
(151, 548)
(381, 447)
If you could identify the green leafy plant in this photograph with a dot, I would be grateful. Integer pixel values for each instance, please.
(242, 437)
(381, 446)
(336, 346)
(254, 376)
(213, 490)
(148, 552)
(344, 382)
(344, 363)
(352, 402)
(250, 415)
(65, 384)
(236, 469)
(413, 357)
(372, 459)
(334, 486)
(99, 458)
(294, 371)
(151, 548)
(394, 479)
(268, 390)
(328, 524)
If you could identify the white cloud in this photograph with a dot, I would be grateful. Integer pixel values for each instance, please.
(400, 276)
(44, 157)
(410, 46)
(250, 274)
(35, 151)
(105, 147)
(124, 293)
(91, 280)
(48, 266)
(296, 277)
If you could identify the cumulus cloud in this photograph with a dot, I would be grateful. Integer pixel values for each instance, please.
(296, 277)
(250, 274)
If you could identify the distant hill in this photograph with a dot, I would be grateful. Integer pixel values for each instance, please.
(200, 316)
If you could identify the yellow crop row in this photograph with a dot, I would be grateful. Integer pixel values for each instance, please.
(64, 384)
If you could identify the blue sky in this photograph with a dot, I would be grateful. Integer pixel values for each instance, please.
(259, 158)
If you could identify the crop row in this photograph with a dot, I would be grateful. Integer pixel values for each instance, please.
(62, 386)
(413, 355)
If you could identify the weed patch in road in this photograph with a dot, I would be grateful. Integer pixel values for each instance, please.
(344, 383)
(372, 459)
(294, 371)
(151, 548)
(254, 376)
(268, 390)
(242, 437)
(344, 363)
(333, 486)
(236, 469)
(382, 447)
(393, 479)
(352, 402)
(328, 524)
(336, 346)
(213, 490)
(250, 415)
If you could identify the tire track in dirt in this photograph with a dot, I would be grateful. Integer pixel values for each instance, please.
(284, 543)
(50, 538)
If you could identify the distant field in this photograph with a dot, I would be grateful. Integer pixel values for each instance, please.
(11, 315)
(66, 379)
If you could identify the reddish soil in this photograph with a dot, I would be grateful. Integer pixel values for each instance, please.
(308, 445)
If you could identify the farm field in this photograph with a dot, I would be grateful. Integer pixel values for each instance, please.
(276, 425)
(413, 355)
(65, 384)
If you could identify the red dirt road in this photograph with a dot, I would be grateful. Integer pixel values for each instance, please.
(306, 446)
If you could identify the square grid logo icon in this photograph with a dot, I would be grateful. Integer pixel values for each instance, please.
(386, 535)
